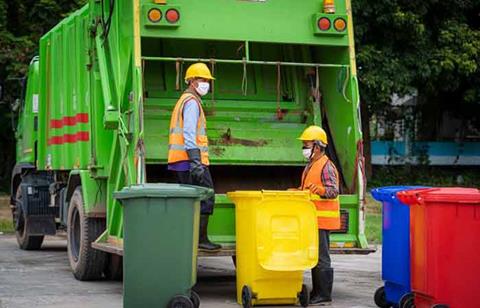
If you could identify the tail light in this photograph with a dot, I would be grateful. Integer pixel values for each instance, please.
(172, 16)
(330, 24)
(339, 24)
(324, 24)
(154, 15)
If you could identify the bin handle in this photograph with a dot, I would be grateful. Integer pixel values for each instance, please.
(209, 193)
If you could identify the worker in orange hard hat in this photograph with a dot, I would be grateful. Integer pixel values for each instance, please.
(321, 178)
(188, 143)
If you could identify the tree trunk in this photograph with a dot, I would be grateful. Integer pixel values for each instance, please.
(367, 150)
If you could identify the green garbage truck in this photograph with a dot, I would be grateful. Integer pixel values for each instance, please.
(99, 96)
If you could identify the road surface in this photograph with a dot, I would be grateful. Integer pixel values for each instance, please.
(43, 279)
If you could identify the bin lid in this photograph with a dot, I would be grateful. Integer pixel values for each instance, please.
(163, 190)
(440, 195)
(387, 193)
(304, 194)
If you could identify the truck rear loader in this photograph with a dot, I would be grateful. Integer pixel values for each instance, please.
(95, 117)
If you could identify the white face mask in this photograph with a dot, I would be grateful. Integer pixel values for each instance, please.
(202, 88)
(307, 153)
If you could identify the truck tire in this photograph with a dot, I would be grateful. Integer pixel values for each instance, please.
(24, 240)
(86, 262)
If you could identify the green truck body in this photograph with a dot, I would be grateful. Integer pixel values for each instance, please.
(100, 95)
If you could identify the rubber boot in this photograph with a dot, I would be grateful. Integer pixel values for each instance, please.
(203, 242)
(322, 282)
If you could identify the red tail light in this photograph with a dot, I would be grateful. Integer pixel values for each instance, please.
(324, 24)
(172, 16)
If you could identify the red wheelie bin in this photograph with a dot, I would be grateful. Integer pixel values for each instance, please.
(445, 246)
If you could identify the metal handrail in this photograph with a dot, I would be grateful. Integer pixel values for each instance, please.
(231, 61)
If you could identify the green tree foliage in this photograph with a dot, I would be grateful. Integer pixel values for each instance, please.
(22, 23)
(429, 45)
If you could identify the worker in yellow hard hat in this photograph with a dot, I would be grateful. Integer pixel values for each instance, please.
(188, 143)
(321, 178)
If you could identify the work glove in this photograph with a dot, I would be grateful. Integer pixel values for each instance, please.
(197, 170)
(316, 189)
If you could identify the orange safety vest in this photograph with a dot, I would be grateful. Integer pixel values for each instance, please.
(328, 210)
(176, 146)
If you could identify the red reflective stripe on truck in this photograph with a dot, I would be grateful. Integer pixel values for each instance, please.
(69, 138)
(69, 120)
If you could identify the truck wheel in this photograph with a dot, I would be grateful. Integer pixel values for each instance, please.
(86, 263)
(24, 240)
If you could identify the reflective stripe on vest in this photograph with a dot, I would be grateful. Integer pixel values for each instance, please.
(328, 214)
(328, 210)
(176, 146)
(179, 130)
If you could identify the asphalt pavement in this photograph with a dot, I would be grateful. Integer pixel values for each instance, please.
(43, 279)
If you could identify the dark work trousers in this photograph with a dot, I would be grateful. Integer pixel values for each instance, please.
(184, 177)
(324, 261)
(322, 273)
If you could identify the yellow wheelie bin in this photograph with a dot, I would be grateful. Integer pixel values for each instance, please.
(277, 240)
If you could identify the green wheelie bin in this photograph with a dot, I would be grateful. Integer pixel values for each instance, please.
(161, 224)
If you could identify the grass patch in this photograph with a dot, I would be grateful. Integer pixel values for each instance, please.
(373, 223)
(373, 228)
(372, 205)
(6, 226)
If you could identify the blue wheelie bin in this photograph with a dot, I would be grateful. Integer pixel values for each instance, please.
(396, 248)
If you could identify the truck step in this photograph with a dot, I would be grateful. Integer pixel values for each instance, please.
(228, 251)
(109, 247)
(118, 250)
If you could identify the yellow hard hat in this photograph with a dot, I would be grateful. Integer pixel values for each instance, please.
(198, 70)
(314, 133)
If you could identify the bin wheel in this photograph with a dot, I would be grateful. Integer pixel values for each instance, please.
(180, 301)
(304, 296)
(406, 301)
(247, 296)
(380, 299)
(195, 299)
